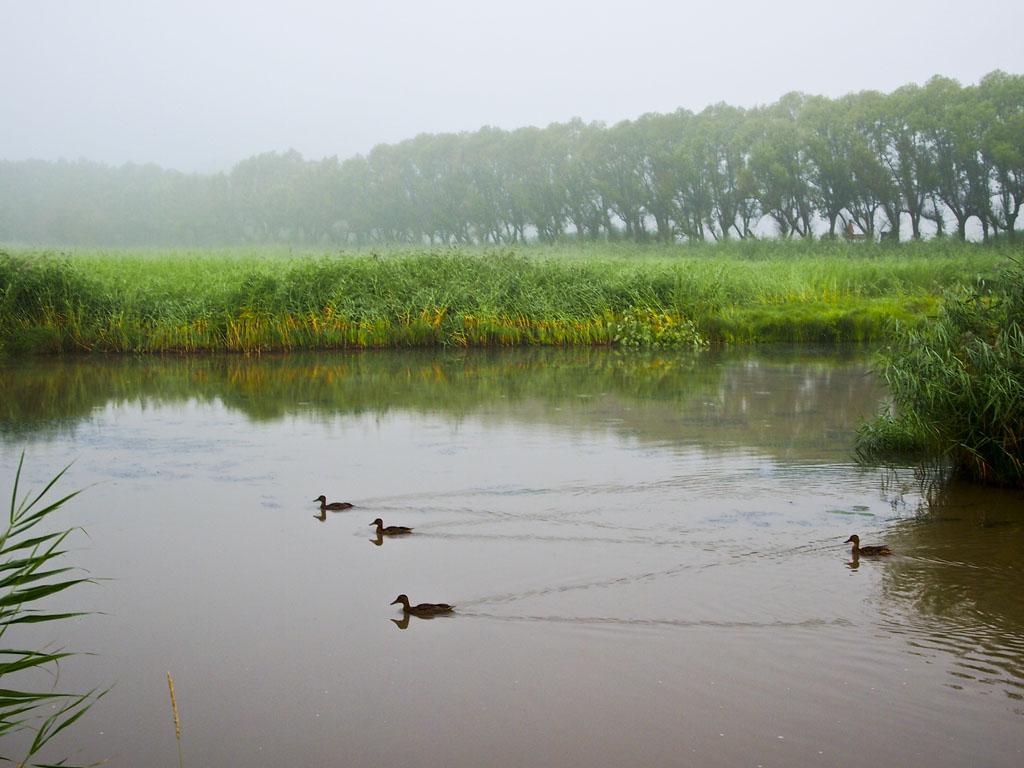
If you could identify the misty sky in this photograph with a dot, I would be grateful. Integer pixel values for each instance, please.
(197, 85)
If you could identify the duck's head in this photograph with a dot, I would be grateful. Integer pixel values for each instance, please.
(401, 599)
(378, 521)
(855, 539)
(320, 498)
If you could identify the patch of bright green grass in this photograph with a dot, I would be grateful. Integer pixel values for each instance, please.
(252, 301)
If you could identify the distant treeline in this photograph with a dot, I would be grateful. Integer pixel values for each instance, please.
(921, 159)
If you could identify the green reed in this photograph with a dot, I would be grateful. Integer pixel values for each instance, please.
(29, 574)
(270, 301)
(957, 385)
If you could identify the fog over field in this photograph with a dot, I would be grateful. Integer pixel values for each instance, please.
(198, 86)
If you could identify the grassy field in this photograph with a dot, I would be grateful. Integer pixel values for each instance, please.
(261, 301)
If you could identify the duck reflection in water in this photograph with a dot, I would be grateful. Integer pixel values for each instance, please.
(869, 549)
(334, 506)
(872, 550)
(391, 530)
(423, 609)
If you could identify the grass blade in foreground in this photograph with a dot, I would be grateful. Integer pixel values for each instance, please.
(27, 576)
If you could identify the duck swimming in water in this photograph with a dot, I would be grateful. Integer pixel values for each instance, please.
(335, 505)
(391, 530)
(423, 609)
(871, 549)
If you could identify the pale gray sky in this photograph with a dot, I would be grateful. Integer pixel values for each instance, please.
(201, 84)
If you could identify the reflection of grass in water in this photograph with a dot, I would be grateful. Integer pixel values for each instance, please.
(28, 574)
(346, 384)
(662, 395)
(254, 301)
(453, 381)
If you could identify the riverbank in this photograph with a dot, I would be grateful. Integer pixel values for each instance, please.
(257, 301)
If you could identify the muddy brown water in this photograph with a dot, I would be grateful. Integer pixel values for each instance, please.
(646, 554)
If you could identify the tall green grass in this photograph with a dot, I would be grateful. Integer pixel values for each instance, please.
(957, 385)
(264, 301)
(29, 574)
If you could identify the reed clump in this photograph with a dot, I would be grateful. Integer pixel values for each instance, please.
(257, 301)
(957, 385)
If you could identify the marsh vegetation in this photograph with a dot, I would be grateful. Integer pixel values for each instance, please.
(261, 301)
(957, 384)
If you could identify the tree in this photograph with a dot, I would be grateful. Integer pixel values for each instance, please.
(827, 134)
(780, 167)
(898, 138)
(618, 156)
(537, 158)
(954, 128)
(488, 203)
(265, 191)
(661, 136)
(585, 206)
(876, 186)
(1003, 146)
(723, 133)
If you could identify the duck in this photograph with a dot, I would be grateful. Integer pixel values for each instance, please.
(335, 505)
(423, 609)
(872, 549)
(391, 530)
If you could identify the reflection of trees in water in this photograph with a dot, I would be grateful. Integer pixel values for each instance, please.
(772, 399)
(954, 587)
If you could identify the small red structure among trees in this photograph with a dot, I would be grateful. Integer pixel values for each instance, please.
(850, 234)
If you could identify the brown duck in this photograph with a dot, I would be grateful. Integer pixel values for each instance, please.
(423, 609)
(391, 530)
(871, 549)
(335, 505)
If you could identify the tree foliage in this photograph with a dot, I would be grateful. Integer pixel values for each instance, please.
(868, 164)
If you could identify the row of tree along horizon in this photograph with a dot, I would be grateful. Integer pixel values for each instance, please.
(922, 158)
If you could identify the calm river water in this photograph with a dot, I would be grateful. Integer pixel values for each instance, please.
(646, 552)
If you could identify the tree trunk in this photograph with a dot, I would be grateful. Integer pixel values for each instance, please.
(832, 216)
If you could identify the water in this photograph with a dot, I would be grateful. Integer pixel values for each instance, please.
(645, 551)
